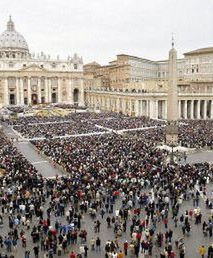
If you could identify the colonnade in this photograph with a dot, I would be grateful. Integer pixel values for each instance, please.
(152, 107)
(196, 109)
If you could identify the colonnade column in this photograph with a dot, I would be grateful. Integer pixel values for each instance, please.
(6, 93)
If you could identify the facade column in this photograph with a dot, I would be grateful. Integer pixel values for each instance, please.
(21, 91)
(17, 91)
(29, 97)
(156, 108)
(49, 90)
(39, 90)
(192, 109)
(205, 109)
(163, 109)
(46, 90)
(148, 108)
(6, 93)
(59, 91)
(166, 109)
(81, 102)
(130, 107)
(185, 109)
(118, 105)
(153, 111)
(140, 107)
(211, 110)
(137, 112)
(179, 109)
(123, 106)
(198, 109)
(70, 94)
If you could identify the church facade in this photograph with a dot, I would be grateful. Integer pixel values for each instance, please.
(26, 79)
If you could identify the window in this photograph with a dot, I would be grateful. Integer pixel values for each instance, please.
(75, 66)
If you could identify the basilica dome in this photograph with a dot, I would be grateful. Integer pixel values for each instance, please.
(12, 43)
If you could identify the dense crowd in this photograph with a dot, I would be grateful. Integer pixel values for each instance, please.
(26, 120)
(104, 153)
(129, 123)
(118, 198)
(49, 130)
(192, 133)
(196, 133)
(76, 123)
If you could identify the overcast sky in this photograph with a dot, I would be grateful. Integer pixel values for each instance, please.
(101, 29)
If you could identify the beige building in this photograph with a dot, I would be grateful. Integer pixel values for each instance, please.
(29, 79)
(137, 86)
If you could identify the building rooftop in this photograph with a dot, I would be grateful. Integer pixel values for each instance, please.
(206, 50)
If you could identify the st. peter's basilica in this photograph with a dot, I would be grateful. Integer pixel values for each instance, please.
(26, 79)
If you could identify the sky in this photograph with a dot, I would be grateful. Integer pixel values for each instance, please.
(98, 30)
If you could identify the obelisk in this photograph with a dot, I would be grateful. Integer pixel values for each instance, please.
(172, 99)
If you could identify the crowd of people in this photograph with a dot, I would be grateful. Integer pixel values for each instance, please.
(129, 123)
(192, 133)
(118, 199)
(50, 130)
(196, 133)
(76, 123)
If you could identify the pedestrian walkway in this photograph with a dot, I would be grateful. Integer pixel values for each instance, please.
(41, 163)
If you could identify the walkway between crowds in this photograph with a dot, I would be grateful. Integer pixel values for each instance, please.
(40, 163)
